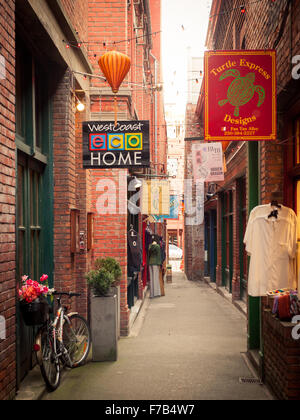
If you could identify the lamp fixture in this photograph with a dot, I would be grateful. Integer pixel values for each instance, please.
(80, 106)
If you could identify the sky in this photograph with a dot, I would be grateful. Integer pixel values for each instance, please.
(184, 27)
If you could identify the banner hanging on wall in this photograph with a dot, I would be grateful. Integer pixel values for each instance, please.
(208, 162)
(156, 197)
(240, 95)
(125, 145)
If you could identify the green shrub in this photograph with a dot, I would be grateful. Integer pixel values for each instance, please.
(100, 281)
(111, 265)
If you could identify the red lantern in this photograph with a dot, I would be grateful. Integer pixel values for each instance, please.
(115, 66)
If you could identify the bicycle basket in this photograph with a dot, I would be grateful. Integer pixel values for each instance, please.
(36, 312)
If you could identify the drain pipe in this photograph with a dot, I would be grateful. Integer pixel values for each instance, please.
(155, 110)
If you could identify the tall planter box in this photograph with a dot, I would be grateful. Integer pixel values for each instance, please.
(104, 327)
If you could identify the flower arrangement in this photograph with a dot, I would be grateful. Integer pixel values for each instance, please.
(31, 289)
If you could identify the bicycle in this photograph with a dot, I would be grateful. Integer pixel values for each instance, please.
(66, 341)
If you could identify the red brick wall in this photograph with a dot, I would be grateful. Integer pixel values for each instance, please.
(77, 12)
(113, 22)
(65, 183)
(193, 234)
(7, 201)
(270, 25)
(282, 358)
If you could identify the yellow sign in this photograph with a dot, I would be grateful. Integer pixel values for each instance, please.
(156, 197)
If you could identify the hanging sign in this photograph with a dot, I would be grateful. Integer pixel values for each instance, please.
(240, 95)
(174, 210)
(124, 145)
(208, 163)
(156, 197)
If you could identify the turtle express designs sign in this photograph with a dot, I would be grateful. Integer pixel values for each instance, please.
(125, 145)
(240, 95)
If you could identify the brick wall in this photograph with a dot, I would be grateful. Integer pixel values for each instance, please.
(7, 201)
(77, 13)
(268, 25)
(193, 234)
(84, 259)
(281, 358)
(65, 183)
(111, 22)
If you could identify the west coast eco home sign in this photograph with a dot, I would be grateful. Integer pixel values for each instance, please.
(125, 145)
(240, 95)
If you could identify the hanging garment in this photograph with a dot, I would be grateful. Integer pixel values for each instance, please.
(134, 252)
(154, 281)
(163, 251)
(154, 254)
(271, 242)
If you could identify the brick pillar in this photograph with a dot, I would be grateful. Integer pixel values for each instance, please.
(109, 202)
(7, 202)
(83, 203)
(65, 181)
(271, 172)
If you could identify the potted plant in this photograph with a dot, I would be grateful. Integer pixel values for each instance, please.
(113, 266)
(100, 281)
(104, 308)
(33, 303)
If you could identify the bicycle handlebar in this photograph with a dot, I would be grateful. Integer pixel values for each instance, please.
(69, 294)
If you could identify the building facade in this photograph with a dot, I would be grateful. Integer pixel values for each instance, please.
(49, 221)
(175, 133)
(257, 172)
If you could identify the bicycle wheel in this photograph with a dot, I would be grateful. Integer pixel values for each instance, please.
(76, 340)
(49, 366)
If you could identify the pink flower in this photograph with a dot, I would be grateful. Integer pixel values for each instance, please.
(44, 278)
(31, 290)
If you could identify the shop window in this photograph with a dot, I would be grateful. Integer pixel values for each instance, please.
(32, 104)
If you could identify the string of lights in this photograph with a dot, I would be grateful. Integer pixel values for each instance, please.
(242, 8)
(78, 44)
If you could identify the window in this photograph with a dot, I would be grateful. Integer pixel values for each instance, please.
(32, 104)
(28, 216)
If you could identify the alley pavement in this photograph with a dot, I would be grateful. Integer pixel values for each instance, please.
(187, 345)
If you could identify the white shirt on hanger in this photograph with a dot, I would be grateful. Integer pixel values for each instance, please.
(272, 245)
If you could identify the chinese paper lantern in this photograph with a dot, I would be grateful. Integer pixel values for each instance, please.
(115, 66)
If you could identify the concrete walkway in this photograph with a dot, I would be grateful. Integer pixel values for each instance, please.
(187, 345)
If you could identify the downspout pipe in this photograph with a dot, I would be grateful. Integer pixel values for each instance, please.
(155, 111)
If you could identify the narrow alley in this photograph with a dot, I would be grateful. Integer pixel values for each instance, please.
(187, 345)
(149, 200)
